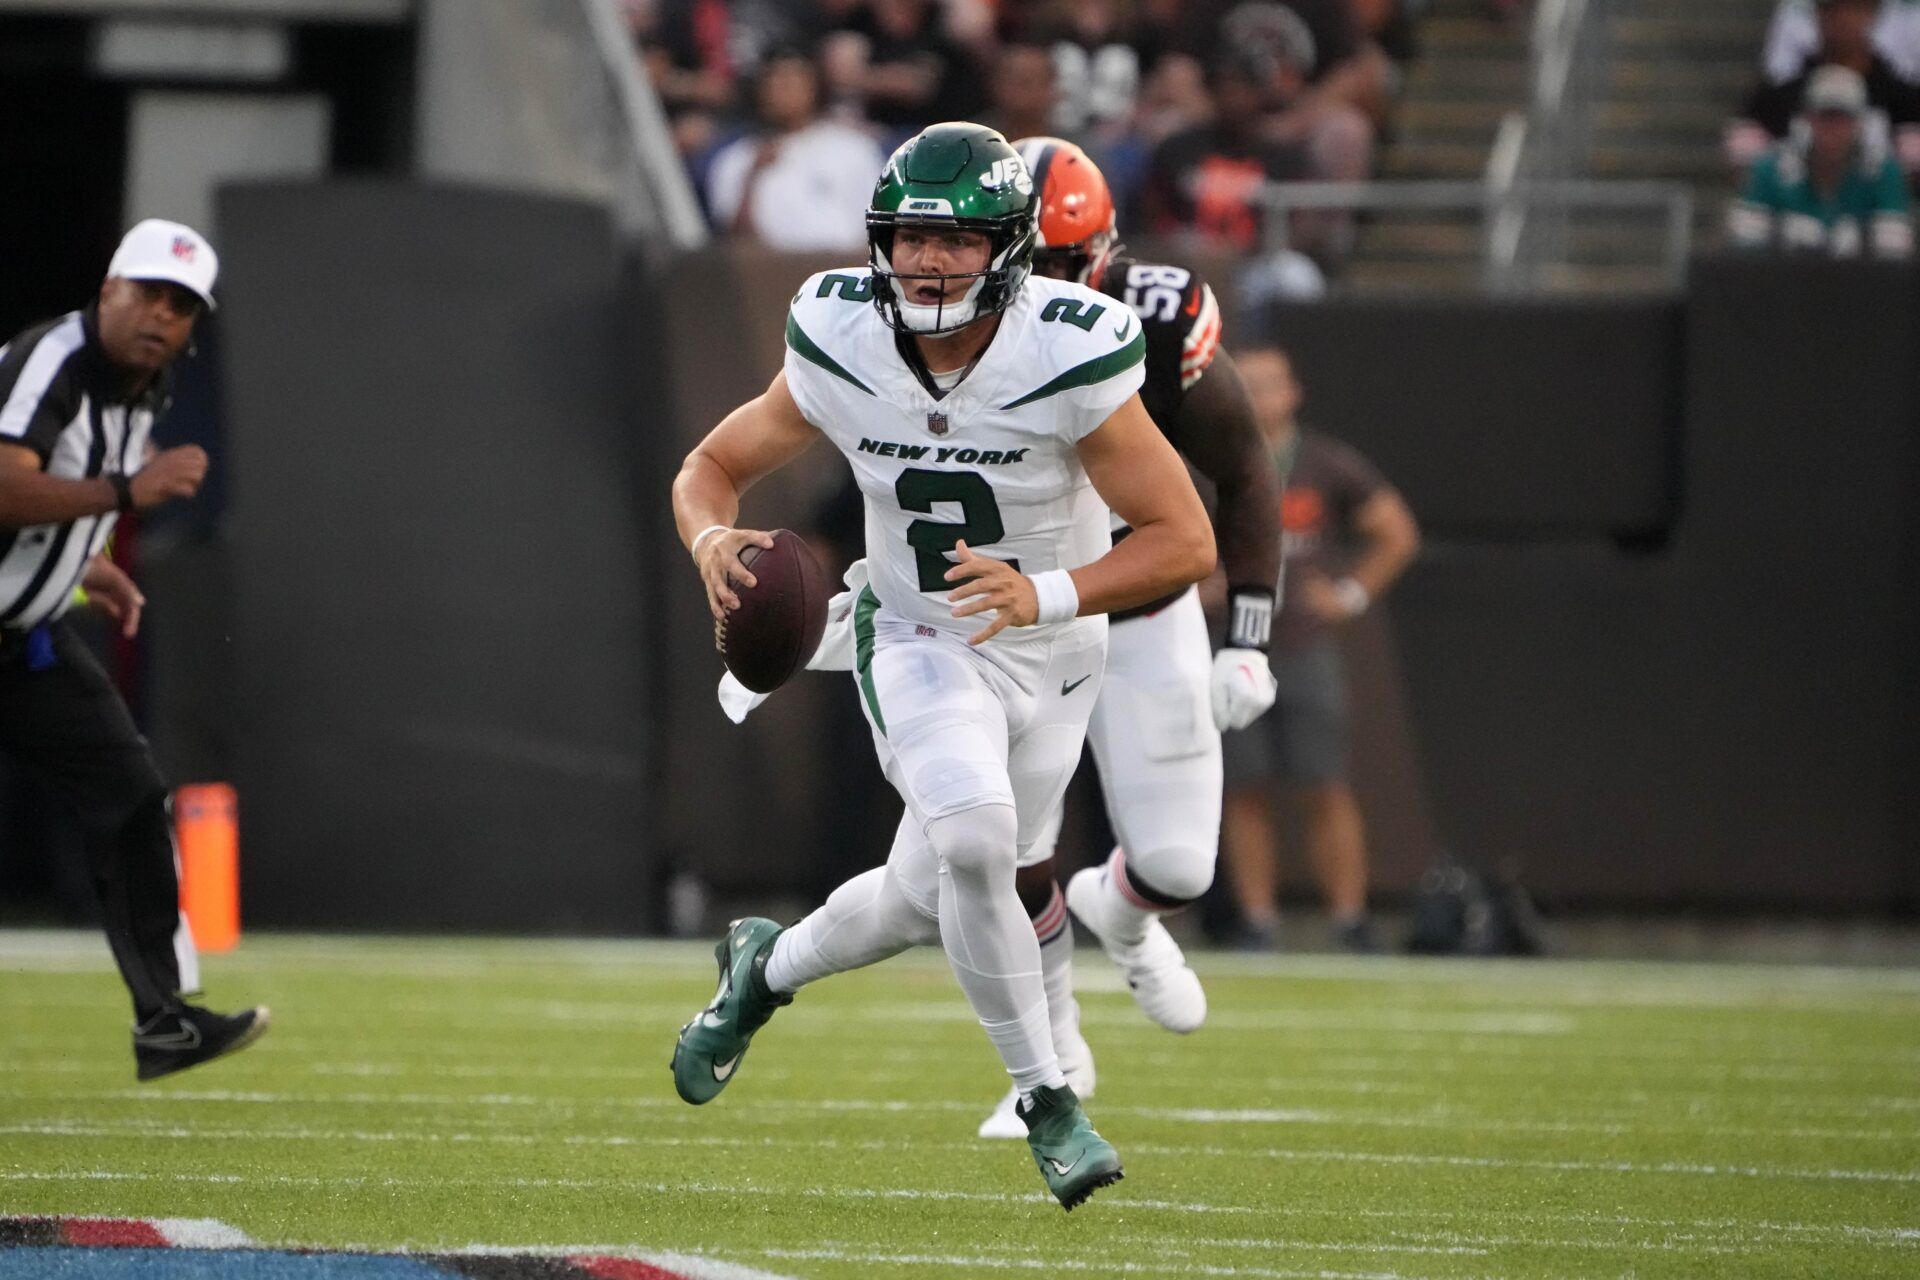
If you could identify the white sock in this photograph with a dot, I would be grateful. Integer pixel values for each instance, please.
(865, 920)
(1055, 936)
(1124, 914)
(990, 942)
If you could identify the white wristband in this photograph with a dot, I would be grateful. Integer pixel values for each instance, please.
(1353, 597)
(701, 537)
(1058, 598)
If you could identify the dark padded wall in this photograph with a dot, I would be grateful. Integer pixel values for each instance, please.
(1725, 718)
(1543, 418)
(440, 573)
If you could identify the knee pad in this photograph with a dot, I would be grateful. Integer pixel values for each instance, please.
(1178, 873)
(977, 841)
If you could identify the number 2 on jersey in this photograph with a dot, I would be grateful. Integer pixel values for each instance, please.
(980, 525)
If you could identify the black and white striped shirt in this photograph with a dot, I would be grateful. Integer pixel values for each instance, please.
(59, 398)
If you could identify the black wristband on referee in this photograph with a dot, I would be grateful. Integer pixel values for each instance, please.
(1249, 618)
(122, 489)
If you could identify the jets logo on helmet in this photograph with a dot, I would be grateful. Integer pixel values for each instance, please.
(961, 176)
(1010, 171)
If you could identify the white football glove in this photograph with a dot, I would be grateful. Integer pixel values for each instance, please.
(1243, 687)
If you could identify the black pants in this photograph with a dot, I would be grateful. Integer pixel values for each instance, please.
(68, 724)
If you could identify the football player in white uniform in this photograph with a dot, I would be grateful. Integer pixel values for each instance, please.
(991, 420)
(1166, 696)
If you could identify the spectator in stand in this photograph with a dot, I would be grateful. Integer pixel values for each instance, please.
(1329, 88)
(898, 59)
(1173, 100)
(1023, 91)
(1389, 24)
(1098, 58)
(1794, 35)
(1099, 63)
(800, 182)
(1831, 189)
(1347, 537)
(696, 54)
(1845, 38)
(1203, 184)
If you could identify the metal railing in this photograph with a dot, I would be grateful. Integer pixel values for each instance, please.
(550, 96)
(655, 194)
(1548, 142)
(1666, 208)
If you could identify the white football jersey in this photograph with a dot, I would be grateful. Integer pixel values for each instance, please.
(992, 462)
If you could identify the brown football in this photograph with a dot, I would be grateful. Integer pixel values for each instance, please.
(778, 624)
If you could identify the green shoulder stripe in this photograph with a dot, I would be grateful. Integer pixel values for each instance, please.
(797, 339)
(1098, 369)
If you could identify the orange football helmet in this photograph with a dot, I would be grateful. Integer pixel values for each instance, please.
(1077, 226)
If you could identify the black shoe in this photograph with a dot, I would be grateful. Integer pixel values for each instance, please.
(188, 1036)
(1257, 935)
(1357, 937)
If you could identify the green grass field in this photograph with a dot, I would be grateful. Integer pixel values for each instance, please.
(1336, 1118)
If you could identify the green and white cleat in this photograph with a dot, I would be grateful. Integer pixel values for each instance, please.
(1075, 1161)
(710, 1047)
(1076, 1063)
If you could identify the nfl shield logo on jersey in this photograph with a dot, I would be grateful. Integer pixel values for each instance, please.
(937, 423)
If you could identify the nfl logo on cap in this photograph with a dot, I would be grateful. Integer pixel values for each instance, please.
(937, 423)
(172, 251)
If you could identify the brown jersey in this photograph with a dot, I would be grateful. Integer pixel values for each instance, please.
(1213, 430)
(1181, 322)
(1328, 484)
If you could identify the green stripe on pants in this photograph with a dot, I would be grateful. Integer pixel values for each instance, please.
(863, 612)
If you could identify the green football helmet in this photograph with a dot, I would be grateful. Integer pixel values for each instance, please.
(954, 175)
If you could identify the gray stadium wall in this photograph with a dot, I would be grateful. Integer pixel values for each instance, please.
(441, 580)
(1694, 694)
(1657, 651)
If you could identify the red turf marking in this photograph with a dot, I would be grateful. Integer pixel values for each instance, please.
(623, 1269)
(113, 1233)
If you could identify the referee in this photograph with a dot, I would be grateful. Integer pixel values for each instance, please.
(78, 399)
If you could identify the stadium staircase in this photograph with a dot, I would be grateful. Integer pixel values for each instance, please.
(1472, 70)
(1670, 77)
(1677, 75)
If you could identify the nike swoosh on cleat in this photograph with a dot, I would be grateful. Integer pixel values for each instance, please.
(1062, 1170)
(712, 1021)
(188, 1037)
(1068, 687)
(724, 1070)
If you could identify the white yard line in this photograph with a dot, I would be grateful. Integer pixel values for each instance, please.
(1432, 1119)
(1734, 1235)
(1643, 1168)
(977, 1262)
(1686, 1106)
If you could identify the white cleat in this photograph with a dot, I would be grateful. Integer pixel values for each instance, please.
(1005, 1121)
(1164, 987)
(1076, 1063)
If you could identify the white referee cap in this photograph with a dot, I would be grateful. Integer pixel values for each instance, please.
(160, 250)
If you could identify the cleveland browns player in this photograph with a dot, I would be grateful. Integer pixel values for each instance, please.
(1167, 696)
